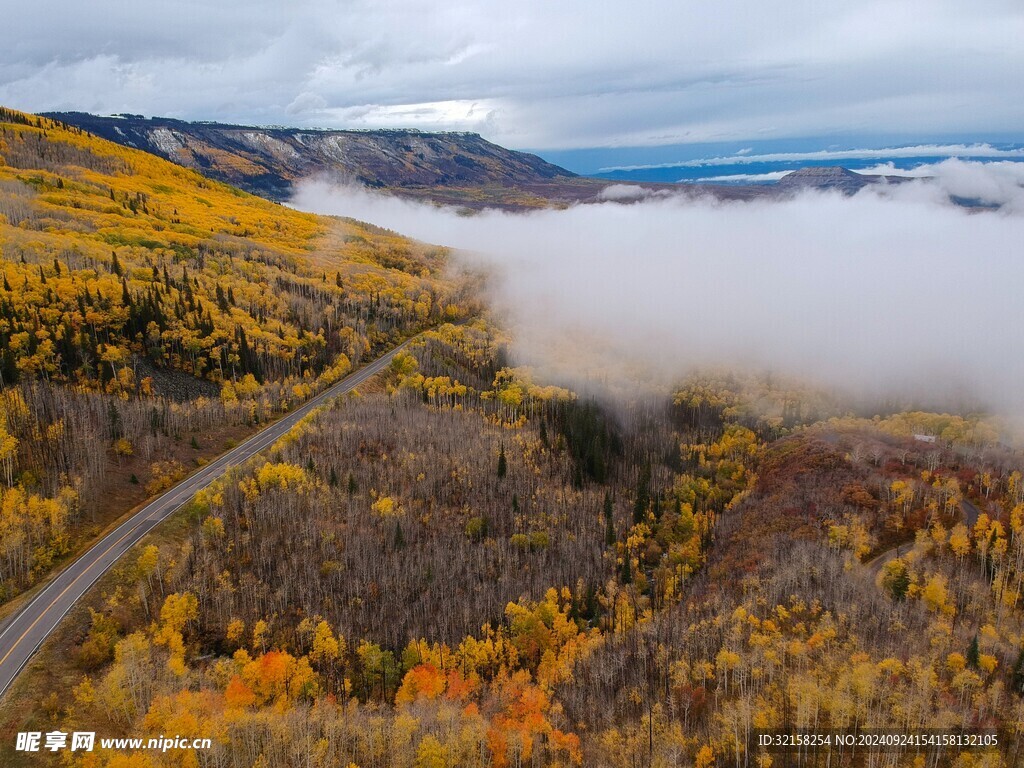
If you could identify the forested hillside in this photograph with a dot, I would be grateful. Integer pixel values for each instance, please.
(140, 302)
(462, 566)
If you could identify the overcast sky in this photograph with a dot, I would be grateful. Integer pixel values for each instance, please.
(534, 73)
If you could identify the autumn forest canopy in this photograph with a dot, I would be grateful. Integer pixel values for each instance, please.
(466, 561)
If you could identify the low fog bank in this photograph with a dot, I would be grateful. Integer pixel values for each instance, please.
(891, 293)
(999, 183)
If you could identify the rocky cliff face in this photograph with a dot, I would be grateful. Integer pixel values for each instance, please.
(268, 161)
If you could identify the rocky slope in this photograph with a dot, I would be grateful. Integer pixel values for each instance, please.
(268, 161)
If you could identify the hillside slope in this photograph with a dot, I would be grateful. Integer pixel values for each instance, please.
(140, 304)
(110, 252)
(268, 161)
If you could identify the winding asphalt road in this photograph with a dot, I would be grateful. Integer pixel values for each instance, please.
(875, 564)
(26, 630)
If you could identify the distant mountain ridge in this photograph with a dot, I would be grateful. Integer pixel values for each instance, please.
(269, 160)
(450, 168)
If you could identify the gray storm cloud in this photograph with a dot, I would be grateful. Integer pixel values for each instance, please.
(534, 73)
(898, 293)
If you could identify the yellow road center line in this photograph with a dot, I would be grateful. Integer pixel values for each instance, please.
(64, 592)
(357, 379)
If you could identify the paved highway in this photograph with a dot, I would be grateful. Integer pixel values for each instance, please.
(25, 631)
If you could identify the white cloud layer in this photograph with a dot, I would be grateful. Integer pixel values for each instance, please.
(744, 178)
(899, 293)
(997, 182)
(534, 73)
(833, 156)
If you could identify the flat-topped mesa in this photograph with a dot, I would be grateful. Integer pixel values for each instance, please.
(269, 160)
(825, 177)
